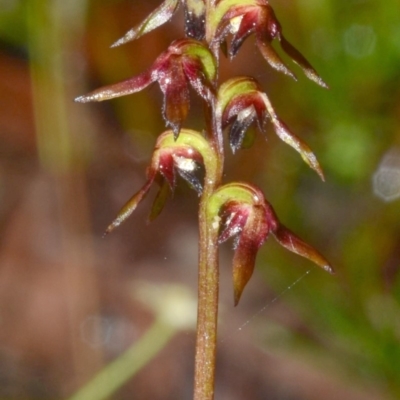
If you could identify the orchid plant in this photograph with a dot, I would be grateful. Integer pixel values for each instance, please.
(235, 210)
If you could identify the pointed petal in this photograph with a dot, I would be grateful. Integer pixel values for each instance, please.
(124, 88)
(293, 243)
(272, 57)
(130, 205)
(243, 265)
(160, 200)
(291, 139)
(158, 17)
(300, 60)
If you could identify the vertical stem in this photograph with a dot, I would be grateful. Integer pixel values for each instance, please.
(208, 285)
(207, 312)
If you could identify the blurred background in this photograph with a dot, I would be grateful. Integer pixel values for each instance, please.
(85, 318)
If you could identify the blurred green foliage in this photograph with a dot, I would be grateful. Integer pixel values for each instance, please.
(355, 45)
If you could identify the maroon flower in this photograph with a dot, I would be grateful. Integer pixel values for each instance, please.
(170, 158)
(240, 103)
(184, 62)
(240, 211)
(258, 17)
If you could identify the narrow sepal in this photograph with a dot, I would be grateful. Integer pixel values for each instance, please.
(243, 265)
(160, 200)
(273, 59)
(158, 17)
(129, 86)
(293, 243)
(285, 134)
(301, 61)
(130, 205)
(292, 140)
(253, 234)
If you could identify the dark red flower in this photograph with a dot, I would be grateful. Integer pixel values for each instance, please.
(258, 17)
(170, 157)
(184, 62)
(240, 103)
(240, 211)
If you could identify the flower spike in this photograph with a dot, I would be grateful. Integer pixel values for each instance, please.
(185, 62)
(242, 18)
(240, 211)
(241, 102)
(171, 157)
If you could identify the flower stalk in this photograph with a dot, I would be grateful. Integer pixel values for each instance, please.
(236, 210)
